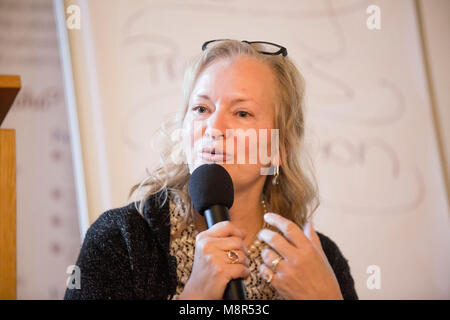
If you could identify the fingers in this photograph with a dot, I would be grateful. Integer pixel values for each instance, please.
(224, 229)
(316, 241)
(313, 236)
(268, 275)
(222, 237)
(236, 271)
(241, 257)
(226, 267)
(270, 259)
(220, 256)
(290, 230)
(230, 243)
(277, 242)
(217, 248)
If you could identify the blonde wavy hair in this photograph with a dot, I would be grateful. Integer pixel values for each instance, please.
(295, 196)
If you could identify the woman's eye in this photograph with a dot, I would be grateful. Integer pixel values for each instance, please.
(243, 114)
(199, 109)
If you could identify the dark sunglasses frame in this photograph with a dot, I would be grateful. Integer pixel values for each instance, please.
(282, 50)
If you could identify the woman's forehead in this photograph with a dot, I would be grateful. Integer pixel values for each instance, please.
(244, 76)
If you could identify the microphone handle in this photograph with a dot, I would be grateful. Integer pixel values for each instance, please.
(235, 289)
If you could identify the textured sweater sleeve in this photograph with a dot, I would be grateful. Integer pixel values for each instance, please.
(340, 267)
(103, 263)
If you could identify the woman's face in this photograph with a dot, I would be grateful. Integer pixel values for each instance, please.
(230, 103)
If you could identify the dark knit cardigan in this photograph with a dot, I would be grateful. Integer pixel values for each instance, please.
(126, 256)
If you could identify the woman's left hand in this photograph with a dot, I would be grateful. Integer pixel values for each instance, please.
(303, 271)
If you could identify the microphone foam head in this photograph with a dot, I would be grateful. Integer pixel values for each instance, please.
(211, 184)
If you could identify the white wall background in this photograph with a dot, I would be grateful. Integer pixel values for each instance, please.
(48, 237)
(370, 122)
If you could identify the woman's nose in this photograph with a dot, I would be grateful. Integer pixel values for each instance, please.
(216, 124)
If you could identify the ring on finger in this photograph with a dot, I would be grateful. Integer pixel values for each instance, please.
(268, 277)
(233, 256)
(275, 263)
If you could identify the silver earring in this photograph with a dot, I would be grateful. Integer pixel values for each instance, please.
(275, 176)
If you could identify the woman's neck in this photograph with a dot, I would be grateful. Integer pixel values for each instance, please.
(247, 214)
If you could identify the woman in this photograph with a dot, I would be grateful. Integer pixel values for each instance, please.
(162, 249)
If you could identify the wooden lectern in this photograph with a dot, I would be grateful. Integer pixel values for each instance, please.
(9, 87)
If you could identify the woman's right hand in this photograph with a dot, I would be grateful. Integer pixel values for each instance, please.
(212, 268)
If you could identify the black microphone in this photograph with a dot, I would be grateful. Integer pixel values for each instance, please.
(212, 194)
